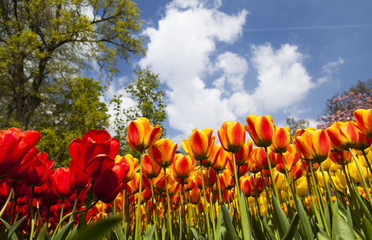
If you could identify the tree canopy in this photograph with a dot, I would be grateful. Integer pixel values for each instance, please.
(44, 42)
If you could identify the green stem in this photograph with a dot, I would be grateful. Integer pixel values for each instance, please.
(138, 215)
(7, 202)
(205, 203)
(328, 191)
(32, 213)
(319, 200)
(271, 175)
(74, 207)
(243, 223)
(169, 208)
(154, 209)
(289, 180)
(362, 177)
(219, 189)
(211, 207)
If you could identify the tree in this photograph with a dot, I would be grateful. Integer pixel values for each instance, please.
(145, 91)
(45, 42)
(296, 124)
(341, 108)
(73, 115)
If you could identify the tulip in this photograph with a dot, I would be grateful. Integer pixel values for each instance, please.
(261, 129)
(298, 170)
(363, 120)
(260, 157)
(132, 163)
(80, 180)
(229, 181)
(343, 135)
(221, 159)
(200, 144)
(195, 195)
(39, 170)
(244, 154)
(162, 152)
(341, 157)
(95, 152)
(183, 166)
(313, 145)
(109, 184)
(141, 134)
(14, 145)
(281, 140)
(289, 157)
(150, 169)
(301, 187)
(232, 136)
(60, 182)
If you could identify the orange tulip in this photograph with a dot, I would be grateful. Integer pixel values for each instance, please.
(149, 168)
(313, 145)
(241, 170)
(363, 141)
(132, 163)
(221, 159)
(200, 144)
(290, 158)
(341, 158)
(343, 135)
(183, 166)
(261, 129)
(228, 179)
(244, 154)
(261, 158)
(209, 177)
(232, 136)
(141, 134)
(195, 195)
(162, 152)
(364, 121)
(281, 140)
(298, 170)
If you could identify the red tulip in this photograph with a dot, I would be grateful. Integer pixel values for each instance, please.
(39, 170)
(95, 152)
(60, 182)
(14, 145)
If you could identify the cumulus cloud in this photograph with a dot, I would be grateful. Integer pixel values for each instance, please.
(282, 78)
(329, 69)
(206, 85)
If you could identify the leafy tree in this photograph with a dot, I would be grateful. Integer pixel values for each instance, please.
(73, 115)
(341, 108)
(145, 91)
(44, 41)
(296, 124)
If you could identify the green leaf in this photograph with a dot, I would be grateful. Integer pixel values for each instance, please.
(257, 227)
(322, 236)
(228, 222)
(268, 230)
(280, 218)
(42, 232)
(305, 228)
(119, 232)
(12, 229)
(62, 234)
(195, 233)
(98, 229)
(82, 225)
(149, 233)
(341, 229)
(367, 228)
(292, 228)
(220, 229)
(163, 230)
(244, 217)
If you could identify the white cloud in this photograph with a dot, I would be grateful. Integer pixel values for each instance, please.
(282, 78)
(329, 69)
(182, 50)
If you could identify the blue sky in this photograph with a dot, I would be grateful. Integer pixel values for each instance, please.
(224, 60)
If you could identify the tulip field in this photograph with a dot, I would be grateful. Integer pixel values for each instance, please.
(258, 183)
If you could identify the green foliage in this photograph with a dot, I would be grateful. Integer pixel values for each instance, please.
(44, 46)
(65, 118)
(296, 124)
(145, 91)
